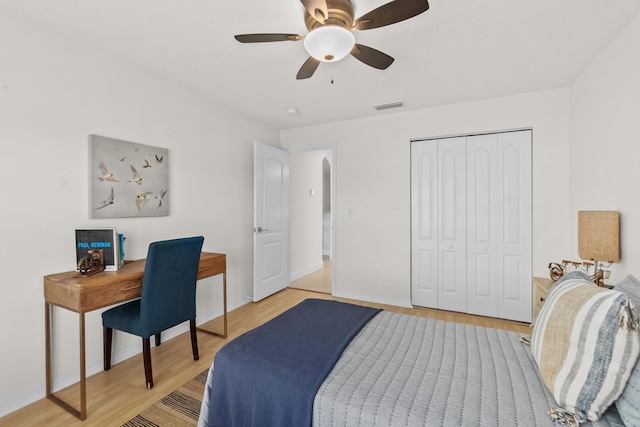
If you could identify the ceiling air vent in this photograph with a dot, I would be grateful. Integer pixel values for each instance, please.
(389, 106)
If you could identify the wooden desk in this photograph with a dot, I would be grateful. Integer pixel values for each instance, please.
(82, 294)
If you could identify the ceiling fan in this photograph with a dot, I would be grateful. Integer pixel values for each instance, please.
(330, 38)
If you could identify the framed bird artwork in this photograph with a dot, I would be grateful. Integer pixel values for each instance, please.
(127, 179)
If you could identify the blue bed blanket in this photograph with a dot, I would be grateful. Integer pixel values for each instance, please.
(270, 375)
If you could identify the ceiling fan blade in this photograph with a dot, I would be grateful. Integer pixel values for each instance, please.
(372, 57)
(308, 68)
(262, 38)
(317, 9)
(390, 13)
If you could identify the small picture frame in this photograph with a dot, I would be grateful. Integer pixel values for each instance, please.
(99, 238)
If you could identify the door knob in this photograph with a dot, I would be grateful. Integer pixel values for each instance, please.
(260, 230)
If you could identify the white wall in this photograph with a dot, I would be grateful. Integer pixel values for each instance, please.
(373, 184)
(53, 94)
(605, 144)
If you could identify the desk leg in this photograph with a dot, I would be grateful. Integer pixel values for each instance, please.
(224, 297)
(83, 370)
(47, 346)
(82, 413)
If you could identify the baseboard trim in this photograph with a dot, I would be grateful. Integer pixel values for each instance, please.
(398, 302)
(305, 271)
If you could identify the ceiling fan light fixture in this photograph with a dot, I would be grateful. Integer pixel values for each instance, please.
(329, 43)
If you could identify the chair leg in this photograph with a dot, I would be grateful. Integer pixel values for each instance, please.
(107, 338)
(146, 354)
(158, 339)
(194, 339)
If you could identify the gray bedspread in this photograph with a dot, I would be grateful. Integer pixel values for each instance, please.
(404, 370)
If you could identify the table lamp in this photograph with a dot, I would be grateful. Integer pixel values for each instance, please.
(599, 240)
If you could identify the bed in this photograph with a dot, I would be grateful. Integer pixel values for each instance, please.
(391, 369)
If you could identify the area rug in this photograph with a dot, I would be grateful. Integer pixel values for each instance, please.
(178, 409)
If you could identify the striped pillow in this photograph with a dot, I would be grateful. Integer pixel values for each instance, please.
(585, 342)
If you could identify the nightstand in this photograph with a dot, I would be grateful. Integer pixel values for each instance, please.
(541, 287)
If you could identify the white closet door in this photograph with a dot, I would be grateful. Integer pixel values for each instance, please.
(471, 224)
(499, 225)
(483, 219)
(514, 166)
(452, 206)
(424, 223)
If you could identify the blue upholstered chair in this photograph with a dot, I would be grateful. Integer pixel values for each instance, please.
(168, 299)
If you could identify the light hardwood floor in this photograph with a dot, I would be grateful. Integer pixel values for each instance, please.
(116, 396)
(318, 281)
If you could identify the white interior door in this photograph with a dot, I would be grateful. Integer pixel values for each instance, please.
(438, 227)
(499, 225)
(484, 216)
(514, 166)
(452, 224)
(270, 220)
(424, 223)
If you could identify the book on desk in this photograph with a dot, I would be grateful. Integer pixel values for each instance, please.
(100, 238)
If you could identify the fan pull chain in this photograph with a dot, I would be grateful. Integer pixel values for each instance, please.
(329, 74)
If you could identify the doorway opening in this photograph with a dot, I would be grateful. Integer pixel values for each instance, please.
(312, 238)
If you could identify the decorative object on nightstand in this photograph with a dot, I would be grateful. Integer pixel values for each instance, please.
(599, 240)
(556, 270)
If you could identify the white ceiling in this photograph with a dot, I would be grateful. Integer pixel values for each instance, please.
(457, 51)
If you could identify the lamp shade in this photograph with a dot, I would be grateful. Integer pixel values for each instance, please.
(329, 43)
(599, 235)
